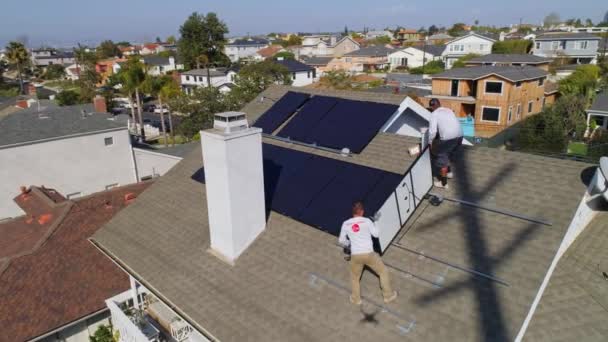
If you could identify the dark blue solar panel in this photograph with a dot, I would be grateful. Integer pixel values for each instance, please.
(308, 117)
(351, 124)
(319, 191)
(280, 111)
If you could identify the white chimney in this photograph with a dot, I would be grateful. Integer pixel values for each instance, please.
(234, 177)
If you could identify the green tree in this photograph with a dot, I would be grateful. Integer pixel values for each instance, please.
(432, 30)
(284, 55)
(204, 102)
(294, 40)
(54, 72)
(88, 78)
(516, 46)
(355, 35)
(552, 19)
(461, 62)
(132, 76)
(432, 67)
(107, 49)
(158, 40)
(259, 76)
(168, 92)
(582, 82)
(337, 79)
(17, 55)
(457, 29)
(153, 85)
(171, 39)
(123, 43)
(102, 334)
(67, 98)
(202, 35)
(383, 40)
(588, 22)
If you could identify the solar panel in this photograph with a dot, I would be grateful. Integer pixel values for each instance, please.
(308, 117)
(319, 191)
(280, 111)
(351, 124)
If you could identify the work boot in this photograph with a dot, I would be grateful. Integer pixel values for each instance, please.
(353, 301)
(439, 184)
(391, 298)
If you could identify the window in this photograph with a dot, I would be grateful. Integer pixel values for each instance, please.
(490, 114)
(482, 47)
(293, 75)
(187, 78)
(493, 87)
(454, 90)
(530, 106)
(554, 45)
(580, 45)
(518, 111)
(108, 141)
(541, 81)
(537, 46)
(510, 115)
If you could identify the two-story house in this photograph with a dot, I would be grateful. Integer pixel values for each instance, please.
(369, 58)
(244, 48)
(46, 57)
(471, 43)
(326, 45)
(407, 35)
(511, 59)
(220, 78)
(495, 97)
(580, 48)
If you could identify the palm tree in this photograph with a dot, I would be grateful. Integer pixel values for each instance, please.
(169, 91)
(133, 76)
(153, 86)
(17, 55)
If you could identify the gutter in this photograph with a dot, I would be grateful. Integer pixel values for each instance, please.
(33, 142)
(65, 326)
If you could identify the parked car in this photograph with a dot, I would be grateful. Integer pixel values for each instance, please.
(165, 110)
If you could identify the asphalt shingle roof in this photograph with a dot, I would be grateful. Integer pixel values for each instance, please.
(600, 104)
(371, 51)
(248, 41)
(155, 60)
(271, 293)
(318, 60)
(294, 66)
(566, 35)
(512, 73)
(435, 50)
(53, 121)
(509, 58)
(203, 72)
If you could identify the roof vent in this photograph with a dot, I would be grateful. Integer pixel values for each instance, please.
(230, 122)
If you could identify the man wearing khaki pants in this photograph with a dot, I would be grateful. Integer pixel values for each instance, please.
(358, 232)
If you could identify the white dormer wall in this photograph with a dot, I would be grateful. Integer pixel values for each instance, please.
(412, 57)
(463, 46)
(201, 81)
(236, 52)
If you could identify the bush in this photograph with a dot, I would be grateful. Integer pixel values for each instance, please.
(460, 62)
(54, 72)
(512, 46)
(582, 82)
(432, 67)
(67, 98)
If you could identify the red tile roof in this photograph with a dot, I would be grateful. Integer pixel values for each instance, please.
(50, 274)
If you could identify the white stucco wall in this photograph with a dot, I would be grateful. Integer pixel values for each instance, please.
(303, 78)
(153, 164)
(78, 164)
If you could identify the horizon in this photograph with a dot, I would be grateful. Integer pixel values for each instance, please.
(245, 18)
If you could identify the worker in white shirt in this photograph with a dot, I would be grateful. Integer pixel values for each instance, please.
(446, 128)
(357, 232)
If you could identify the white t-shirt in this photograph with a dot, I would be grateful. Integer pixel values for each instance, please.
(359, 231)
(444, 122)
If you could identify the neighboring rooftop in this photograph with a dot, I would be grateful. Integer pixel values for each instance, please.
(371, 51)
(294, 66)
(203, 72)
(50, 274)
(435, 50)
(566, 35)
(179, 150)
(248, 42)
(276, 290)
(600, 104)
(511, 73)
(440, 36)
(317, 61)
(509, 58)
(52, 121)
(155, 60)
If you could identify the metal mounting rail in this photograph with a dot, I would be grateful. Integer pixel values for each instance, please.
(441, 198)
(462, 268)
(345, 152)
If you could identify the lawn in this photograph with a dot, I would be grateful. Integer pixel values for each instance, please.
(577, 148)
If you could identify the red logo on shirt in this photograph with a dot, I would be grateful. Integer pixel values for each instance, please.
(355, 228)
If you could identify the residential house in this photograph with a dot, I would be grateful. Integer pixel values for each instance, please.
(301, 74)
(72, 72)
(407, 35)
(581, 48)
(106, 68)
(439, 38)
(268, 52)
(369, 58)
(157, 65)
(471, 43)
(129, 50)
(77, 150)
(370, 35)
(415, 56)
(244, 48)
(326, 45)
(46, 57)
(53, 281)
(218, 77)
(289, 274)
(319, 63)
(495, 97)
(598, 112)
(151, 49)
(510, 59)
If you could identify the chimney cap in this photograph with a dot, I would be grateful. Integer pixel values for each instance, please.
(230, 122)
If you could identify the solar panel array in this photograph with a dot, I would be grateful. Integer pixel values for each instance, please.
(319, 191)
(280, 111)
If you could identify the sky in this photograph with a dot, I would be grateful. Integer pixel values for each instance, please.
(66, 22)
